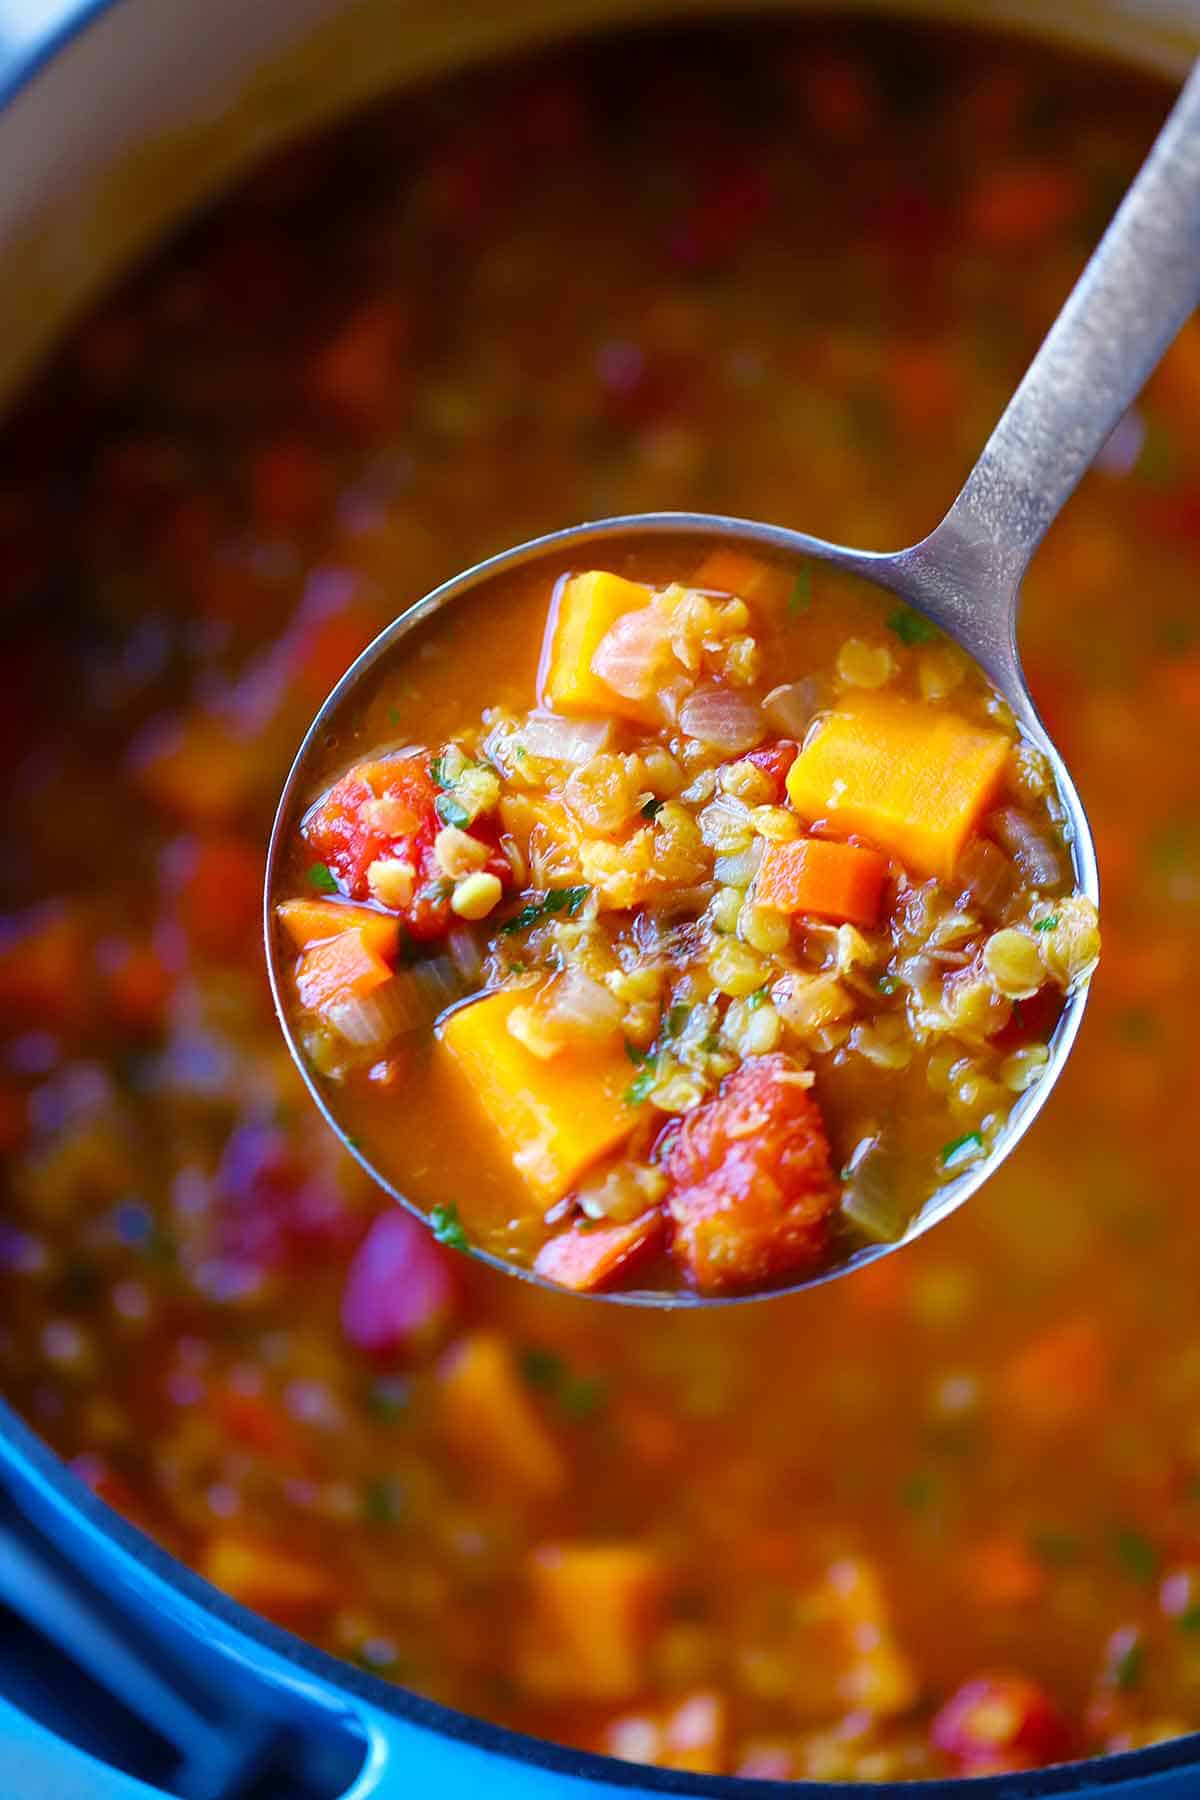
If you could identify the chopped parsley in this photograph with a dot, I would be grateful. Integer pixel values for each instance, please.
(1189, 1621)
(758, 998)
(1135, 1554)
(642, 1086)
(800, 598)
(393, 716)
(636, 1054)
(553, 901)
(382, 1501)
(911, 627)
(451, 811)
(320, 878)
(579, 1395)
(962, 1151)
(652, 807)
(437, 772)
(887, 984)
(677, 1019)
(447, 1227)
(1047, 924)
(1129, 1664)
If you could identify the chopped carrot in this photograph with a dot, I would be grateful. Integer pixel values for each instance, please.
(731, 571)
(1001, 1572)
(264, 1577)
(586, 1258)
(813, 875)
(1060, 1377)
(553, 1118)
(309, 922)
(197, 768)
(490, 1419)
(1024, 203)
(584, 610)
(219, 895)
(913, 779)
(593, 1610)
(347, 967)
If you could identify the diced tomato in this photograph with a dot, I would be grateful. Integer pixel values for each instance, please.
(775, 760)
(348, 835)
(1000, 1722)
(753, 1185)
(401, 1289)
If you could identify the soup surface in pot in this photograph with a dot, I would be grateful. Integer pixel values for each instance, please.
(941, 1517)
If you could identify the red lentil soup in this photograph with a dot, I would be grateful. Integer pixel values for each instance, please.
(942, 1516)
(759, 974)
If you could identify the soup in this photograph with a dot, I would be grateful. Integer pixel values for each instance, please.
(800, 1534)
(732, 934)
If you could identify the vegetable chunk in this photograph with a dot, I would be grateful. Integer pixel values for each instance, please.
(842, 882)
(347, 967)
(309, 922)
(586, 1260)
(593, 1610)
(586, 608)
(753, 1185)
(913, 779)
(553, 1119)
(491, 1421)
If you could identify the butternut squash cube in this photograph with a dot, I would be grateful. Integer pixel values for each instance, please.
(586, 607)
(593, 1609)
(554, 1117)
(308, 922)
(729, 571)
(262, 1576)
(489, 1418)
(913, 779)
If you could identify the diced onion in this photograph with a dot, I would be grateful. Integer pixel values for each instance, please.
(574, 741)
(578, 1006)
(727, 719)
(409, 1002)
(792, 708)
(1036, 855)
(466, 954)
(986, 878)
(634, 657)
(869, 1199)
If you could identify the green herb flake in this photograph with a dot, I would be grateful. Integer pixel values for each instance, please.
(1054, 1546)
(652, 807)
(911, 627)
(636, 1054)
(758, 998)
(642, 1086)
(1129, 1664)
(451, 811)
(393, 716)
(920, 1491)
(677, 1019)
(887, 984)
(800, 598)
(962, 1151)
(1135, 1554)
(553, 901)
(382, 1501)
(320, 878)
(1047, 924)
(542, 1369)
(447, 1227)
(582, 1396)
(1189, 1621)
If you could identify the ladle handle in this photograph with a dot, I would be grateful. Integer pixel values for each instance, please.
(1139, 287)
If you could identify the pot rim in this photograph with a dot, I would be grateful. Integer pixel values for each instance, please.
(42, 1483)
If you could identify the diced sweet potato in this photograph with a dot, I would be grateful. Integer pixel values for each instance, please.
(553, 1118)
(309, 922)
(912, 779)
(593, 1610)
(265, 1578)
(586, 1258)
(586, 608)
(729, 571)
(346, 967)
(753, 1188)
(490, 1419)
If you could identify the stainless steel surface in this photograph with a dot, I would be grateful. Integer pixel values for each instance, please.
(1136, 292)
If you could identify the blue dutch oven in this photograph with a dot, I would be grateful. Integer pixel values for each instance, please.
(122, 1675)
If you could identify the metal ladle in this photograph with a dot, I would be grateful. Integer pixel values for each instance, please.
(1136, 292)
